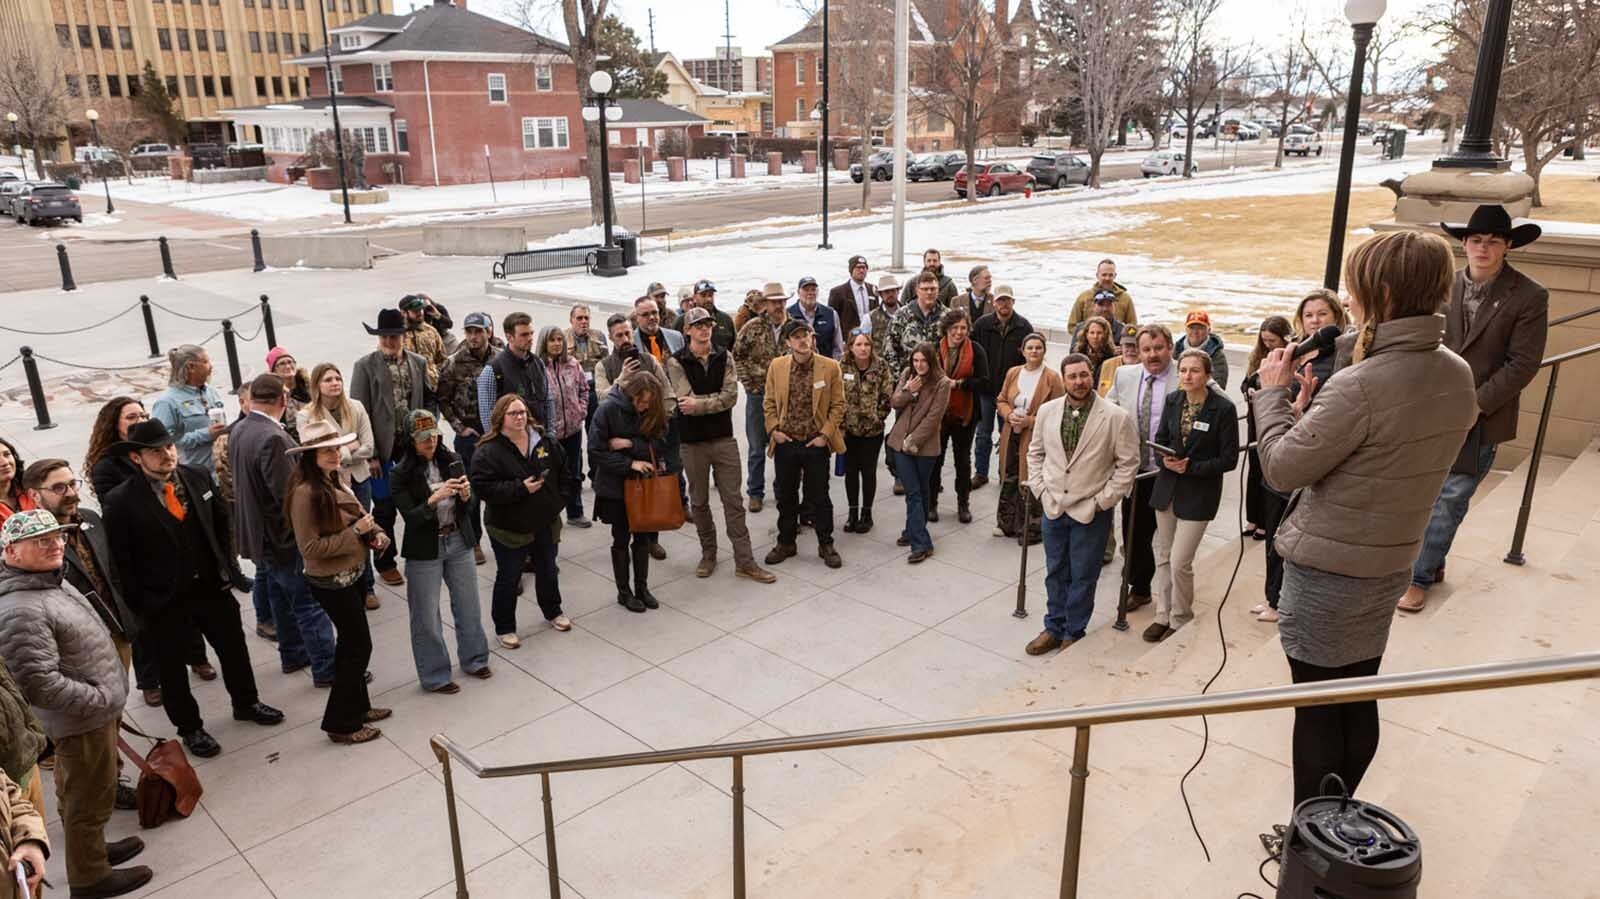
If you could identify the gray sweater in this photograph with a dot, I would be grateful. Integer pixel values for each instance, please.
(59, 653)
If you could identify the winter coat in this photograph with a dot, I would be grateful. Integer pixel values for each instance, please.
(909, 329)
(947, 290)
(1002, 345)
(60, 653)
(570, 390)
(425, 340)
(1122, 310)
(371, 386)
(458, 385)
(23, 738)
(916, 428)
(498, 470)
(408, 484)
(354, 458)
(1212, 450)
(1369, 456)
(1213, 347)
(592, 350)
(827, 399)
(20, 823)
(616, 417)
(1504, 346)
(866, 397)
(753, 351)
(1048, 388)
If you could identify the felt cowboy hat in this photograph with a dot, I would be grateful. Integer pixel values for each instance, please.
(321, 435)
(1492, 218)
(391, 323)
(148, 434)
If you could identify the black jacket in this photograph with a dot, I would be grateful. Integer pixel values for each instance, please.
(842, 300)
(113, 609)
(1212, 450)
(616, 418)
(109, 473)
(148, 544)
(1002, 346)
(408, 485)
(498, 470)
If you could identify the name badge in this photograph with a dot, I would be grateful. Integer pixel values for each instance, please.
(206, 495)
(849, 376)
(819, 385)
(1202, 426)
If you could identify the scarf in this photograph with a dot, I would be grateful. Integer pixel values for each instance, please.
(958, 369)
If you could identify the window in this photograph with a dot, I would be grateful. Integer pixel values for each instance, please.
(255, 42)
(305, 43)
(219, 39)
(261, 85)
(349, 41)
(93, 83)
(820, 67)
(74, 86)
(799, 108)
(104, 33)
(202, 39)
(133, 85)
(85, 37)
(382, 77)
(283, 4)
(286, 41)
(402, 140)
(372, 140)
(64, 36)
(294, 87)
(299, 4)
(113, 86)
(613, 137)
(125, 37)
(347, 6)
(272, 42)
(799, 70)
(190, 86)
(336, 82)
(208, 83)
(163, 38)
(277, 85)
(544, 134)
(497, 88)
(183, 38)
(332, 5)
(543, 80)
(172, 85)
(227, 85)
(361, 5)
(249, 4)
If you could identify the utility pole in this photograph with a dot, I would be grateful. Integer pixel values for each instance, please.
(825, 148)
(727, 46)
(902, 66)
(652, 14)
(333, 103)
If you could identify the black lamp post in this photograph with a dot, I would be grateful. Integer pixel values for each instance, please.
(1363, 14)
(333, 104)
(825, 148)
(1476, 150)
(94, 126)
(608, 259)
(12, 118)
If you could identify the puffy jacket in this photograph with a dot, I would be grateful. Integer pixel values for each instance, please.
(23, 738)
(1370, 454)
(60, 653)
(616, 418)
(570, 391)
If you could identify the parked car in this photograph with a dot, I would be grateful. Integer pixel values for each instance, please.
(46, 201)
(1302, 129)
(151, 151)
(8, 191)
(1058, 170)
(879, 167)
(1380, 134)
(993, 179)
(1302, 144)
(1167, 162)
(8, 175)
(1363, 127)
(934, 166)
(1270, 129)
(208, 156)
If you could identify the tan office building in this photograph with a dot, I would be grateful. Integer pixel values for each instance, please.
(212, 54)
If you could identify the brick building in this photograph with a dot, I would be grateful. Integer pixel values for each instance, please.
(436, 96)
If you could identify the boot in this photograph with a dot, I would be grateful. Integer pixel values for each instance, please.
(933, 507)
(619, 570)
(641, 577)
(851, 522)
(864, 523)
(963, 509)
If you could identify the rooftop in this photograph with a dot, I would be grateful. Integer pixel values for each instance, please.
(441, 29)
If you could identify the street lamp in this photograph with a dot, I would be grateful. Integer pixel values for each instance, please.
(94, 125)
(824, 146)
(1363, 14)
(819, 114)
(15, 147)
(608, 260)
(1476, 150)
(333, 104)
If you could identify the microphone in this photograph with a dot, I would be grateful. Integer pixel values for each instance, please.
(1322, 340)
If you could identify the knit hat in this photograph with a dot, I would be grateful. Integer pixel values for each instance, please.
(276, 353)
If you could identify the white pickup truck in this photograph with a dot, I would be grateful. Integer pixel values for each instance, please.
(1302, 144)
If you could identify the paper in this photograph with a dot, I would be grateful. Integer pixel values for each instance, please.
(22, 879)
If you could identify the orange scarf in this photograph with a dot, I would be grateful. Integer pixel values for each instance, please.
(958, 370)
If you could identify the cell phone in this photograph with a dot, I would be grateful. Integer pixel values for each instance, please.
(1166, 451)
(456, 470)
(628, 352)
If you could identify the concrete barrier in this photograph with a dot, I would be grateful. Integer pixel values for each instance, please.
(316, 251)
(736, 165)
(808, 161)
(476, 240)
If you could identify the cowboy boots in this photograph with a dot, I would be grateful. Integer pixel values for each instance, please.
(619, 570)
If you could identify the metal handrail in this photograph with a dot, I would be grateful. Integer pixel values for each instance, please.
(1574, 316)
(1526, 672)
(1514, 556)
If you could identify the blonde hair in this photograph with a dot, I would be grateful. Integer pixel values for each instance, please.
(1340, 318)
(1399, 274)
(344, 414)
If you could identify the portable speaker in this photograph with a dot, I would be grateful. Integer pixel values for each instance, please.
(1341, 848)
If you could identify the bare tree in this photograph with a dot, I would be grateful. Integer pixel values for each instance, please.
(1105, 52)
(1328, 52)
(33, 85)
(122, 133)
(1291, 87)
(581, 21)
(861, 42)
(963, 82)
(1195, 74)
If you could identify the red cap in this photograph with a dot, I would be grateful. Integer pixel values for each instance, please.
(1197, 318)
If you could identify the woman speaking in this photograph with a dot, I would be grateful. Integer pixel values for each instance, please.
(1366, 462)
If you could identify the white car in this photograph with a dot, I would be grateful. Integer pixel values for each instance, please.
(151, 150)
(1302, 144)
(1167, 162)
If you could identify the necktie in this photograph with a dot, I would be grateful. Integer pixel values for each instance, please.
(1146, 410)
(174, 505)
(655, 349)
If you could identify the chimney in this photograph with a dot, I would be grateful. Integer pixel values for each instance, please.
(1002, 18)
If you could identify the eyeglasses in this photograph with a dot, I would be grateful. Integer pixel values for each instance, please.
(65, 487)
(516, 413)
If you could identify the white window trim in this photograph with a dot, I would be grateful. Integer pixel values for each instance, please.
(505, 93)
(400, 128)
(799, 108)
(799, 69)
(349, 41)
(544, 78)
(383, 78)
(560, 133)
(613, 137)
(336, 80)
(819, 68)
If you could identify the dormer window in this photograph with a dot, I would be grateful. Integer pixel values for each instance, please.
(349, 42)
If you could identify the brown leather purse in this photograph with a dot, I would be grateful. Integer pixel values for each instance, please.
(653, 502)
(168, 787)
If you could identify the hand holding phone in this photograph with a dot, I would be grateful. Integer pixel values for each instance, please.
(1166, 451)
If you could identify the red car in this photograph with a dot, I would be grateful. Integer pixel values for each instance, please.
(994, 179)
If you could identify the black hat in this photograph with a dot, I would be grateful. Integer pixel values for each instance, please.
(266, 388)
(147, 434)
(391, 323)
(1492, 218)
(794, 326)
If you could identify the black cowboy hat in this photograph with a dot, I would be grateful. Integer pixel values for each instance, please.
(1492, 218)
(148, 434)
(391, 323)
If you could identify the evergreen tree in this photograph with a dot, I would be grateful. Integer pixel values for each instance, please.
(157, 105)
(632, 69)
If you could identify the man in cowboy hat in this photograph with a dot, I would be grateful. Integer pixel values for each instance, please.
(171, 541)
(390, 382)
(757, 345)
(1497, 321)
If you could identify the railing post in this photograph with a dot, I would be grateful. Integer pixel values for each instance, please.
(166, 259)
(455, 826)
(149, 326)
(1121, 623)
(1080, 777)
(233, 353)
(1515, 556)
(266, 321)
(66, 268)
(255, 248)
(550, 837)
(1024, 497)
(738, 827)
(41, 411)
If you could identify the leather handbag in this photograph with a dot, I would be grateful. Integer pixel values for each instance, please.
(168, 787)
(653, 502)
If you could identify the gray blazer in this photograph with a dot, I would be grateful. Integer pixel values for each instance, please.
(257, 455)
(369, 383)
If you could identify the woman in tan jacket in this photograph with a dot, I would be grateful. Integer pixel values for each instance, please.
(921, 398)
(1027, 387)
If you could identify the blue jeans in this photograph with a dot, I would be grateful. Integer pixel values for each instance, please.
(915, 473)
(1448, 512)
(755, 446)
(1072, 554)
(261, 598)
(456, 569)
(363, 492)
(385, 514)
(305, 635)
(983, 445)
(573, 448)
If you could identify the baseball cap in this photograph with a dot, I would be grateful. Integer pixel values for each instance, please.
(1130, 336)
(794, 326)
(773, 290)
(855, 261)
(411, 302)
(1004, 290)
(807, 281)
(888, 282)
(1197, 318)
(266, 387)
(422, 425)
(695, 316)
(29, 524)
(655, 289)
(1105, 296)
(703, 286)
(685, 292)
(478, 320)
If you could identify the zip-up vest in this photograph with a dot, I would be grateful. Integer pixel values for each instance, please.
(704, 379)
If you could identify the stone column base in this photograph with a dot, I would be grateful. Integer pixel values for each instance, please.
(1451, 195)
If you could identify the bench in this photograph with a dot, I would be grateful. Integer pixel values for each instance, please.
(528, 262)
(659, 233)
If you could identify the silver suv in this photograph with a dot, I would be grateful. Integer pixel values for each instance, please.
(46, 201)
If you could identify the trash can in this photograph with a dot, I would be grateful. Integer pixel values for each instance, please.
(1395, 147)
(629, 242)
(72, 182)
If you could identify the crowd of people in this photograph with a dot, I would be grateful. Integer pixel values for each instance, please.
(1354, 484)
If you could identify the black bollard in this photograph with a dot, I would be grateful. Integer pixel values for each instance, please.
(266, 321)
(255, 247)
(149, 326)
(30, 368)
(233, 353)
(166, 259)
(66, 268)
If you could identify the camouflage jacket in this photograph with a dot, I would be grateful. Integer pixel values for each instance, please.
(882, 321)
(866, 397)
(910, 328)
(424, 340)
(458, 385)
(753, 351)
(592, 351)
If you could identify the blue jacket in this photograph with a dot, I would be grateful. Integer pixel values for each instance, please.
(826, 325)
(184, 410)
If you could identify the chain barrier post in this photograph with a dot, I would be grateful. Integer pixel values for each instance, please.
(266, 322)
(255, 247)
(233, 353)
(66, 268)
(149, 326)
(166, 259)
(30, 368)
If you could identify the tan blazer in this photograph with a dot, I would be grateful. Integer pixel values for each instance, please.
(1048, 388)
(1100, 472)
(827, 398)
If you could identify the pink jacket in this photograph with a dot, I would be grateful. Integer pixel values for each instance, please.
(570, 390)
